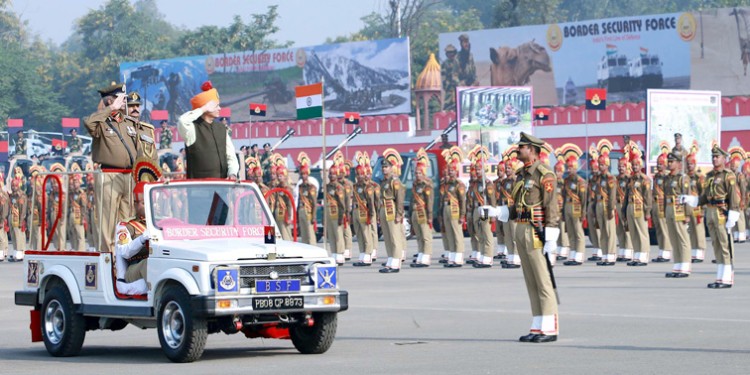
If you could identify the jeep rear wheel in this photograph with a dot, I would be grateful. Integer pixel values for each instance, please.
(63, 330)
(181, 334)
(318, 338)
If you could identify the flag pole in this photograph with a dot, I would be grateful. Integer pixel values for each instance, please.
(323, 156)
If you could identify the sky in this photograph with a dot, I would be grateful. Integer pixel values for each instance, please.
(304, 22)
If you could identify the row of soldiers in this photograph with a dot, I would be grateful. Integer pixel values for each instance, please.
(22, 211)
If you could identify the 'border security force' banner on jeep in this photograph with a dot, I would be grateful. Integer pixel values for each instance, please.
(370, 77)
(625, 55)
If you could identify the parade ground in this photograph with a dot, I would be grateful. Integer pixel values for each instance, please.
(613, 320)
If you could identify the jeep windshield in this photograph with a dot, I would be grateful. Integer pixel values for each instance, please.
(202, 211)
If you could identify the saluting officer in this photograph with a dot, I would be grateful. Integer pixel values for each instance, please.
(363, 213)
(391, 211)
(606, 196)
(334, 214)
(697, 233)
(453, 208)
(307, 207)
(721, 198)
(638, 212)
(675, 185)
(421, 210)
(658, 215)
(537, 215)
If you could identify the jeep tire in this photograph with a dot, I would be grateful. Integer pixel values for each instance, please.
(182, 335)
(318, 338)
(63, 330)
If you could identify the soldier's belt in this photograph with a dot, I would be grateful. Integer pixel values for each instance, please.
(717, 202)
(108, 169)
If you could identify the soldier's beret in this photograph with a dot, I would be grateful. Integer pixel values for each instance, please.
(678, 135)
(134, 98)
(266, 144)
(114, 88)
(463, 37)
(717, 151)
(243, 148)
(674, 156)
(450, 48)
(528, 139)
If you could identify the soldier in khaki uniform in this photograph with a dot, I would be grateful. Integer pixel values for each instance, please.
(421, 210)
(453, 208)
(563, 242)
(334, 214)
(606, 197)
(281, 206)
(364, 212)
(255, 174)
(59, 204)
(35, 208)
(696, 230)
(471, 205)
(574, 204)
(512, 182)
(596, 251)
(501, 250)
(344, 173)
(736, 155)
(536, 214)
(625, 245)
(306, 202)
(17, 221)
(376, 196)
(658, 214)
(638, 212)
(391, 211)
(114, 149)
(75, 144)
(482, 195)
(76, 213)
(4, 211)
(720, 197)
(675, 185)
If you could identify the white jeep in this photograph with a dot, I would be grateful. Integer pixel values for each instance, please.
(213, 266)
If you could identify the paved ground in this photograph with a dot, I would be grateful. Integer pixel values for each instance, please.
(446, 321)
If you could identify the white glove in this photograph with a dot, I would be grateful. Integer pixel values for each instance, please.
(690, 200)
(145, 236)
(499, 212)
(732, 218)
(550, 239)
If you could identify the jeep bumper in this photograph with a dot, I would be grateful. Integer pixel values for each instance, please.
(26, 298)
(243, 304)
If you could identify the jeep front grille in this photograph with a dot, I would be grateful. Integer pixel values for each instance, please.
(248, 274)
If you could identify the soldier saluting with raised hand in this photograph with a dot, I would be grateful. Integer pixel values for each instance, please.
(537, 217)
(720, 197)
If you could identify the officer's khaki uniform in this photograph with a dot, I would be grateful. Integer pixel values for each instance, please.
(374, 224)
(639, 201)
(282, 207)
(606, 195)
(471, 204)
(510, 184)
(421, 218)
(391, 209)
(563, 242)
(574, 206)
(116, 157)
(721, 194)
(482, 224)
(4, 226)
(453, 204)
(536, 209)
(348, 189)
(334, 214)
(35, 230)
(76, 218)
(696, 230)
(624, 244)
(363, 214)
(591, 217)
(741, 226)
(17, 222)
(443, 235)
(501, 249)
(658, 217)
(675, 185)
(306, 209)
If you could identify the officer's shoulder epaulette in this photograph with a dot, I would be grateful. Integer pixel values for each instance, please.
(145, 124)
(543, 169)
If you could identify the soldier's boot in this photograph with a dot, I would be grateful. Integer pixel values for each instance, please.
(473, 257)
(627, 254)
(364, 260)
(483, 262)
(514, 261)
(347, 254)
(339, 259)
(563, 253)
(16, 256)
(444, 257)
(724, 277)
(455, 260)
(575, 259)
(501, 251)
(698, 255)
(596, 254)
(374, 254)
(423, 260)
(664, 256)
(620, 255)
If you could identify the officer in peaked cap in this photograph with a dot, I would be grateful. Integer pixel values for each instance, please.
(675, 185)
(146, 138)
(537, 217)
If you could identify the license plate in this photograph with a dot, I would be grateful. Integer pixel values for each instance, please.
(278, 303)
(277, 286)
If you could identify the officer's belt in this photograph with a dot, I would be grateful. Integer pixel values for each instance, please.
(110, 169)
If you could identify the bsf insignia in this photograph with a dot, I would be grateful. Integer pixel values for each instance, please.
(548, 187)
(122, 238)
(90, 275)
(32, 276)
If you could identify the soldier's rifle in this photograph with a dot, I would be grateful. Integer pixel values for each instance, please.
(357, 131)
(289, 133)
(451, 127)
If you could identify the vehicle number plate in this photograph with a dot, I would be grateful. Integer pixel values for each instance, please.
(277, 286)
(278, 303)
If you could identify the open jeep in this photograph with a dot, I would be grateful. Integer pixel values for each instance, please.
(213, 266)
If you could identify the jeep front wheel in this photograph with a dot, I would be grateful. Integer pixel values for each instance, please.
(63, 330)
(318, 338)
(181, 334)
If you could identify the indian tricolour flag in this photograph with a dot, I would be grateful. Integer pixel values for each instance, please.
(309, 101)
(611, 49)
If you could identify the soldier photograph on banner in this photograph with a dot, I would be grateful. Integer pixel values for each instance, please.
(493, 117)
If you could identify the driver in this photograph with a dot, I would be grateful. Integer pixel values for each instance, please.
(132, 237)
